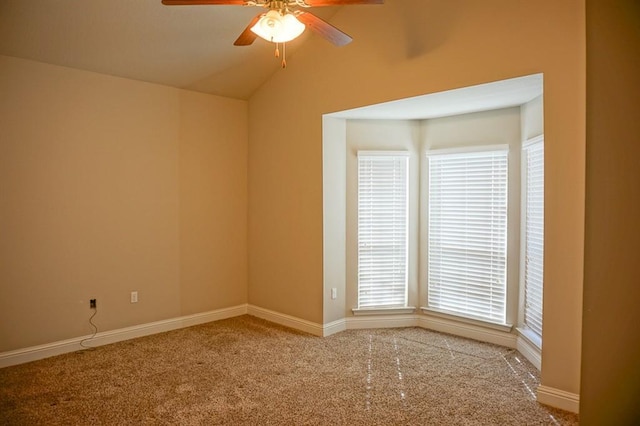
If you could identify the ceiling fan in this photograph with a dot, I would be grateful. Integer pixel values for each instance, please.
(283, 21)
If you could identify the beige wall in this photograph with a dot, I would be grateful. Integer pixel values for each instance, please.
(213, 202)
(611, 350)
(334, 176)
(423, 47)
(109, 186)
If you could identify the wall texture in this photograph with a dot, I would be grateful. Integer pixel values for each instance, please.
(401, 49)
(611, 343)
(110, 186)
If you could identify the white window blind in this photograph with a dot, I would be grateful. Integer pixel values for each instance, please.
(534, 235)
(382, 229)
(467, 236)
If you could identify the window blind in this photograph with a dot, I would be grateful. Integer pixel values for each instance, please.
(534, 236)
(382, 229)
(467, 234)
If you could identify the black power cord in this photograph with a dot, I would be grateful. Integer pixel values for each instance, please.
(95, 329)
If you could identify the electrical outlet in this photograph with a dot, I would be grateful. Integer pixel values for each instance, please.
(92, 304)
(134, 297)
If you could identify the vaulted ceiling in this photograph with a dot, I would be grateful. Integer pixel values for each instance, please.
(188, 47)
(191, 47)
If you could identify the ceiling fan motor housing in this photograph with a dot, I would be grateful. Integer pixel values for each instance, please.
(280, 24)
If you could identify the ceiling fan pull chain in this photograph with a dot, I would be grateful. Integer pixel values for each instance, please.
(277, 52)
(284, 55)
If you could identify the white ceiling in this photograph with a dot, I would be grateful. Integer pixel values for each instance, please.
(189, 47)
(483, 97)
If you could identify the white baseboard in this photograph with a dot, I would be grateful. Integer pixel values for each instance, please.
(287, 320)
(382, 321)
(443, 325)
(334, 327)
(33, 353)
(469, 331)
(558, 398)
(529, 351)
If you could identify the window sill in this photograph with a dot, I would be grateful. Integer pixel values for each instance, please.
(482, 323)
(383, 311)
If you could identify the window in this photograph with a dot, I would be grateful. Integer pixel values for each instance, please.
(382, 229)
(467, 233)
(533, 197)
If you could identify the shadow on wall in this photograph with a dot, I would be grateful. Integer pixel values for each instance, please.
(426, 25)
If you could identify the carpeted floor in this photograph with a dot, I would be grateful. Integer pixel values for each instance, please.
(245, 371)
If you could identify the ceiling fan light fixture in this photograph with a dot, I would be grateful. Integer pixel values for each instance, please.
(275, 27)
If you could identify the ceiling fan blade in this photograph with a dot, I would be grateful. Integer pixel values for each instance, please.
(318, 3)
(324, 29)
(199, 2)
(248, 37)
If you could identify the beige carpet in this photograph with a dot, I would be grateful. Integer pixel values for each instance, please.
(245, 371)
